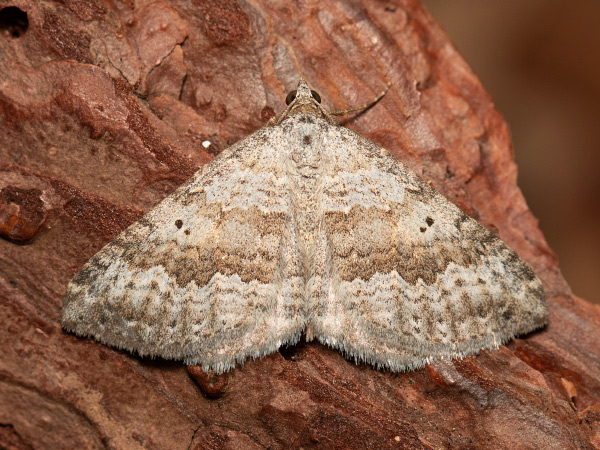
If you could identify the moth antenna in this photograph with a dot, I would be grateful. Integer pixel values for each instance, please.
(341, 112)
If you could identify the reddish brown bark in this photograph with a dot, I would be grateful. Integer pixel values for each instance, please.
(103, 111)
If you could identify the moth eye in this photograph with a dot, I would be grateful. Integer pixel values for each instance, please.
(290, 97)
(316, 96)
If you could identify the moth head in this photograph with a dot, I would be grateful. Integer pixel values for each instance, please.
(303, 94)
(303, 100)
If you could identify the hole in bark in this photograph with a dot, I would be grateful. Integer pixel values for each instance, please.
(295, 351)
(13, 22)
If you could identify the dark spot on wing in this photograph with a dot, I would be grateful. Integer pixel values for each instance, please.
(178, 223)
(482, 311)
(306, 139)
(429, 221)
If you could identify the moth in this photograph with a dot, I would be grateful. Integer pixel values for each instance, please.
(305, 228)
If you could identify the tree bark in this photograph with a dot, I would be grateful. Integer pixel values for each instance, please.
(105, 108)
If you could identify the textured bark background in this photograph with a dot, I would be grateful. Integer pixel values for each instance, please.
(106, 107)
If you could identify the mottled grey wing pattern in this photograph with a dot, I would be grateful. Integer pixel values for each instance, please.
(305, 226)
(408, 276)
(211, 275)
